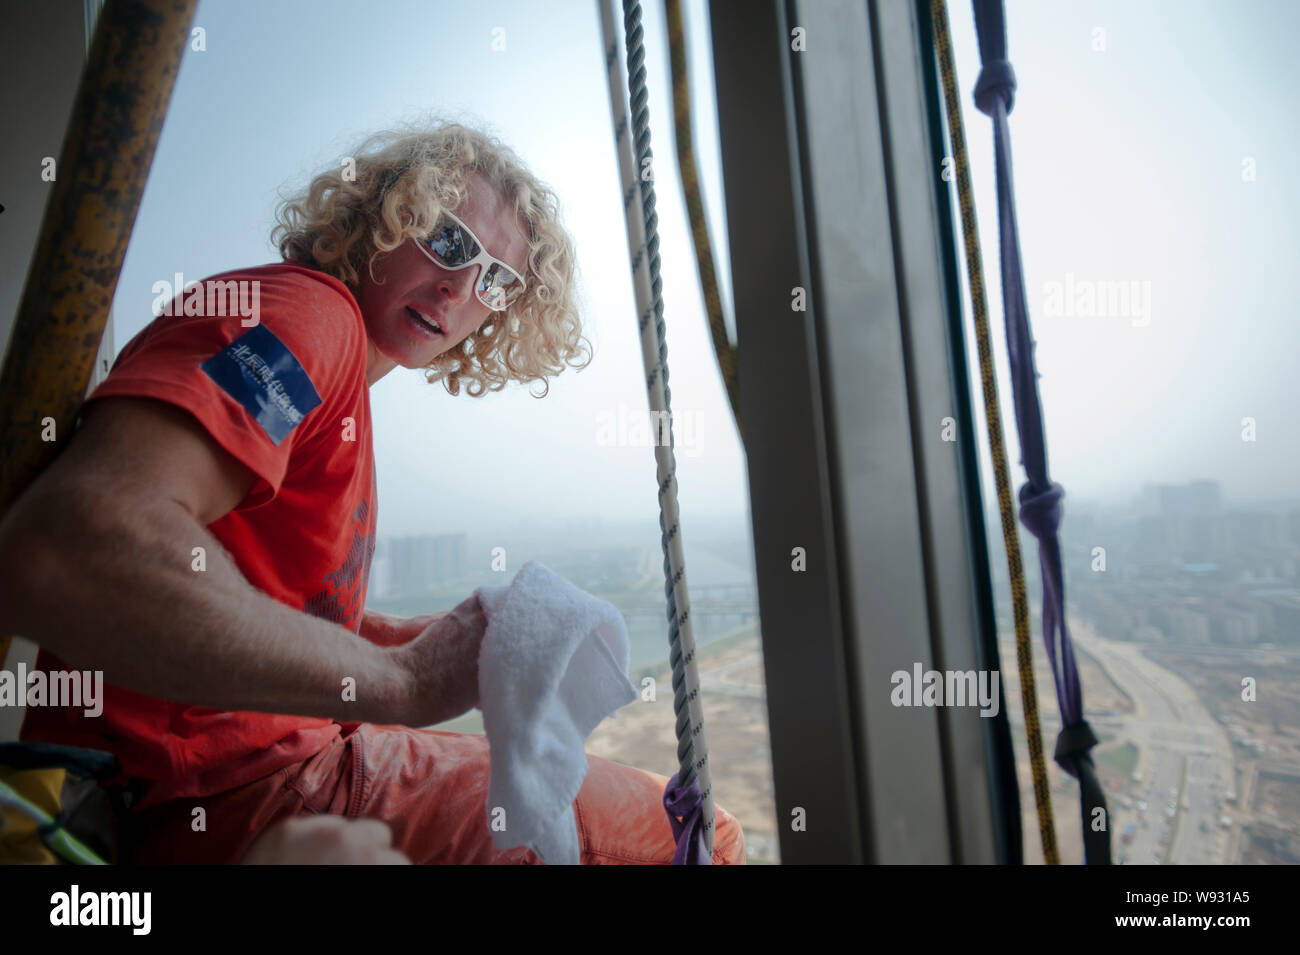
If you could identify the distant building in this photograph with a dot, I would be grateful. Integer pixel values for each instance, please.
(412, 565)
(1282, 613)
(1250, 532)
(1115, 615)
(1201, 538)
(1235, 623)
(1188, 622)
(379, 584)
(1181, 500)
(1157, 540)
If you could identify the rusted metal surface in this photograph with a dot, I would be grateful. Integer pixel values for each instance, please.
(116, 118)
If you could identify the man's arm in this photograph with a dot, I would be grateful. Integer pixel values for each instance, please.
(96, 565)
(380, 629)
(389, 631)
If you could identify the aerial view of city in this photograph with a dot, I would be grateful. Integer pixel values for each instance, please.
(1184, 609)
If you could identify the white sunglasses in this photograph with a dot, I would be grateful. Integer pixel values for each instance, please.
(453, 246)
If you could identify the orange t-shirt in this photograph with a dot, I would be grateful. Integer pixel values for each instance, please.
(276, 395)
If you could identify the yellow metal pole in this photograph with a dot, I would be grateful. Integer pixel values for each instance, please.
(100, 176)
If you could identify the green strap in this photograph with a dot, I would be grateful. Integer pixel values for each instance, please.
(60, 841)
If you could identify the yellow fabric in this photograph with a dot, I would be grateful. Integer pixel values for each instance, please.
(20, 843)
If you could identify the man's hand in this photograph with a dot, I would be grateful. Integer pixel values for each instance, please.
(441, 662)
(326, 840)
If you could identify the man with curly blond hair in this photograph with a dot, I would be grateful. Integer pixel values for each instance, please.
(213, 519)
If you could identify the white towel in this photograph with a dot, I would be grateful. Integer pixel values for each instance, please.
(553, 664)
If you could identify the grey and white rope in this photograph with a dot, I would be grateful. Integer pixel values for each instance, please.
(643, 250)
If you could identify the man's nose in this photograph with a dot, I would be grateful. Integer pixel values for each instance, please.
(458, 285)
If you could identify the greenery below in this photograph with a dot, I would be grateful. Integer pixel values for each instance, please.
(1122, 758)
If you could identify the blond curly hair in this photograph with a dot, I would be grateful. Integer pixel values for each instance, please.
(397, 185)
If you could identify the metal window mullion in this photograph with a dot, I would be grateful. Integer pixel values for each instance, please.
(815, 757)
(826, 159)
(960, 629)
(859, 316)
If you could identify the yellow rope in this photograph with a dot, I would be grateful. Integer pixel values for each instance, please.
(722, 347)
(975, 273)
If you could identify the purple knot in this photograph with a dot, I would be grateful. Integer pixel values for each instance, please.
(683, 805)
(997, 81)
(1040, 511)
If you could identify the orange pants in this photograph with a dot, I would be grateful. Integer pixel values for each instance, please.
(431, 789)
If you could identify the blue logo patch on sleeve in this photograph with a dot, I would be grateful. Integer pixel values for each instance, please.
(259, 372)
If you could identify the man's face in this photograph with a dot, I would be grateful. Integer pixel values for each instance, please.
(406, 281)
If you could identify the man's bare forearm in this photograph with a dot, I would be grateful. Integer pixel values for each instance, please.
(381, 629)
(123, 596)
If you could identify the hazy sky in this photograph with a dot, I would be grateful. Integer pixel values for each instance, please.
(1128, 167)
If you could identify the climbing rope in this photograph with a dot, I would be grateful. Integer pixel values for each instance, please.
(690, 792)
(687, 168)
(997, 450)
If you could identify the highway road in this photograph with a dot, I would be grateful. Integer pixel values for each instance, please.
(1185, 765)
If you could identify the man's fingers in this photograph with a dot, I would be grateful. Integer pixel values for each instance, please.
(326, 840)
(366, 831)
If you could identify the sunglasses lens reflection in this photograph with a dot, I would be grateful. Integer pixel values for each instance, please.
(451, 245)
(498, 287)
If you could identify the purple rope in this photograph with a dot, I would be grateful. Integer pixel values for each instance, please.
(1040, 497)
(683, 805)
